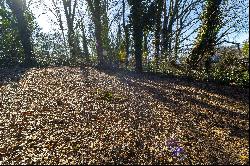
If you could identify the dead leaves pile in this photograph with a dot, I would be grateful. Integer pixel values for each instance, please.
(65, 115)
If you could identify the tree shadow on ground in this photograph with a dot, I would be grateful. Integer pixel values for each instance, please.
(164, 89)
(220, 107)
(236, 93)
(11, 74)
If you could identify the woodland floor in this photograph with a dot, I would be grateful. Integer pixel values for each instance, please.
(64, 115)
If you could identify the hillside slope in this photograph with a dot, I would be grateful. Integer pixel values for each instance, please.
(66, 115)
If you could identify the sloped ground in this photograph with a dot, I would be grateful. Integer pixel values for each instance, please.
(65, 115)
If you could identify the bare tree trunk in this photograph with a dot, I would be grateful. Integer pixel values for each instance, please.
(177, 35)
(125, 28)
(70, 15)
(59, 19)
(85, 45)
(169, 19)
(145, 47)
(159, 9)
(164, 28)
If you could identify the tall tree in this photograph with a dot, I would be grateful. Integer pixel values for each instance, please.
(158, 14)
(126, 32)
(206, 40)
(70, 10)
(84, 42)
(108, 55)
(55, 10)
(136, 16)
(95, 10)
(168, 23)
(18, 8)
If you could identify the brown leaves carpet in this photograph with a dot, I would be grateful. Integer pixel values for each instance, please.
(64, 115)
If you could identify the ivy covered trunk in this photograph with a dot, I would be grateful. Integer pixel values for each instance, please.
(95, 9)
(206, 40)
(17, 7)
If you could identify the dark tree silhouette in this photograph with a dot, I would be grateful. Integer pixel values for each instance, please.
(95, 9)
(136, 15)
(18, 9)
(126, 31)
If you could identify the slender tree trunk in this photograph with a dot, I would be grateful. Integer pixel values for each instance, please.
(17, 7)
(145, 47)
(118, 48)
(125, 28)
(127, 44)
(168, 23)
(177, 35)
(59, 19)
(164, 28)
(159, 9)
(109, 56)
(70, 15)
(85, 44)
(172, 11)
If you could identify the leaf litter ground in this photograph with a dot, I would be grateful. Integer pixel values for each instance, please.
(63, 115)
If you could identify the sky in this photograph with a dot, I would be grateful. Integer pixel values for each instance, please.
(42, 18)
(44, 23)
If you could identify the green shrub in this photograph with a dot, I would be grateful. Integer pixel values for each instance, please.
(230, 70)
